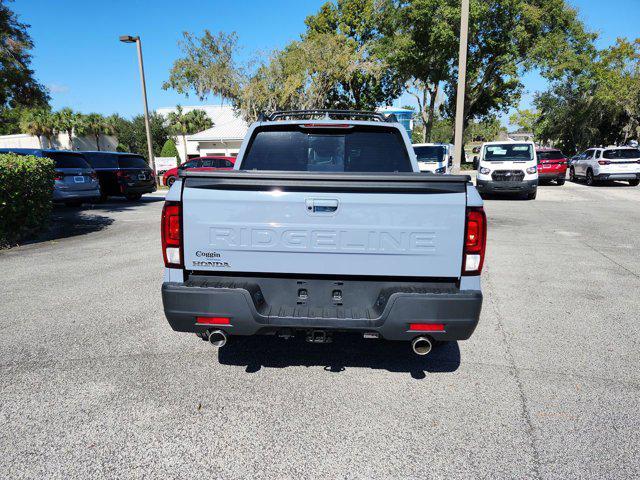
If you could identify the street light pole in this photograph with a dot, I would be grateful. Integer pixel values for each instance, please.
(462, 80)
(147, 126)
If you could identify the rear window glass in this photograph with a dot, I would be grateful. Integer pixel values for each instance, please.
(102, 160)
(430, 153)
(355, 149)
(132, 161)
(67, 160)
(550, 155)
(621, 154)
(508, 152)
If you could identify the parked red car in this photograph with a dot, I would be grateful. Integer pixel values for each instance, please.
(552, 165)
(200, 164)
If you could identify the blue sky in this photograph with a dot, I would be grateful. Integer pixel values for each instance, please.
(78, 55)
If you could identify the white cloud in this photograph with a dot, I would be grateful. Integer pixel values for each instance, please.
(57, 88)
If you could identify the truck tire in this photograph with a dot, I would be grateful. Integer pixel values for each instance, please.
(634, 183)
(560, 181)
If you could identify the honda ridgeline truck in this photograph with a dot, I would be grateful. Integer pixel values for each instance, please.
(325, 224)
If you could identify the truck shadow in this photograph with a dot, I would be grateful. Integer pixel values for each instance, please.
(68, 221)
(346, 351)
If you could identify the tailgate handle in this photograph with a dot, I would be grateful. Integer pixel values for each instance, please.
(321, 205)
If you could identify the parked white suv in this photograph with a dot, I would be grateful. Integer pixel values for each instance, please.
(508, 167)
(607, 164)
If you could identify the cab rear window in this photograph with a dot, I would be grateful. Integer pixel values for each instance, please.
(352, 149)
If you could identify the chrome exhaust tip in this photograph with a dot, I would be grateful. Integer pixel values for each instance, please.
(217, 338)
(421, 345)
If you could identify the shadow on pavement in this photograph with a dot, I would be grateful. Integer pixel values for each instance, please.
(91, 217)
(346, 351)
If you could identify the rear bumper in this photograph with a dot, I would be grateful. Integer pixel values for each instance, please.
(70, 195)
(488, 186)
(551, 176)
(618, 176)
(459, 311)
(126, 189)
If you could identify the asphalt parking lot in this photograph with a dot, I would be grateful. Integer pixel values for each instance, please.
(95, 384)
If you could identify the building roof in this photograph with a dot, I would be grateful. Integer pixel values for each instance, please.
(227, 125)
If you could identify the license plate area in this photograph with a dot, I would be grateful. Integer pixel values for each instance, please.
(78, 179)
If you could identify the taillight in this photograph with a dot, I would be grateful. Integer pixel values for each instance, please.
(213, 320)
(475, 241)
(604, 162)
(171, 230)
(122, 174)
(59, 176)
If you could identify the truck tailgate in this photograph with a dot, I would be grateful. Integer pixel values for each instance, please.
(400, 225)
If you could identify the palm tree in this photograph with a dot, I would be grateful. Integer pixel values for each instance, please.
(183, 124)
(96, 125)
(49, 127)
(67, 121)
(34, 123)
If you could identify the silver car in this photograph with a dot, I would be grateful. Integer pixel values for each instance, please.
(75, 181)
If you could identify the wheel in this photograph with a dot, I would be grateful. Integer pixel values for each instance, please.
(134, 196)
(170, 181)
(560, 181)
(532, 195)
(634, 183)
(590, 180)
(572, 175)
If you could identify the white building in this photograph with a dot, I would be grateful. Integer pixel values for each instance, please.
(59, 142)
(224, 138)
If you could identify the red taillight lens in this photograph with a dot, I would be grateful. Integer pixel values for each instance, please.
(214, 320)
(59, 176)
(475, 241)
(604, 162)
(171, 230)
(427, 327)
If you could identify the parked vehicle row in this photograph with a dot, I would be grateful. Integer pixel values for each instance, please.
(519, 167)
(93, 176)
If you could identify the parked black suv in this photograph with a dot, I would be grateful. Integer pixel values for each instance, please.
(122, 174)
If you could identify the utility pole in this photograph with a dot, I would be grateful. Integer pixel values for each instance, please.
(147, 126)
(462, 80)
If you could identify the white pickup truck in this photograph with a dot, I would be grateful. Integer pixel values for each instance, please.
(324, 225)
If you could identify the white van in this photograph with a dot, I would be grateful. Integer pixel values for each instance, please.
(434, 157)
(508, 167)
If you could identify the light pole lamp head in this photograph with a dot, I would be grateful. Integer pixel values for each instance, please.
(128, 39)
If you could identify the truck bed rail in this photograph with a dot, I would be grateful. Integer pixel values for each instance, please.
(321, 181)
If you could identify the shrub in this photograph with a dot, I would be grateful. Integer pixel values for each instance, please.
(26, 191)
(169, 149)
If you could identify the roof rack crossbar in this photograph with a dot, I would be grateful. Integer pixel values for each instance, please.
(329, 115)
